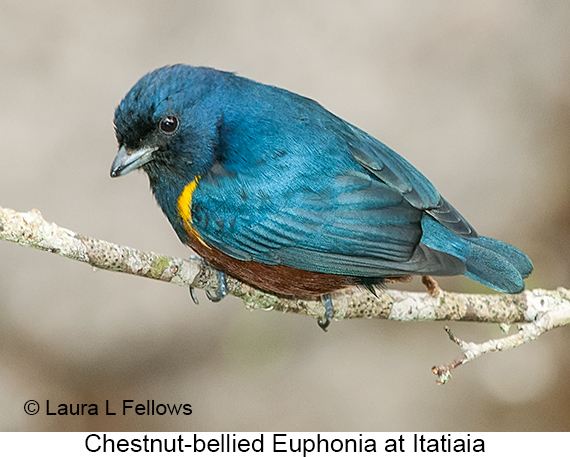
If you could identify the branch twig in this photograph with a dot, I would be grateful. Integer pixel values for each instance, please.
(538, 310)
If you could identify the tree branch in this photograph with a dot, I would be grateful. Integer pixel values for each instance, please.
(537, 310)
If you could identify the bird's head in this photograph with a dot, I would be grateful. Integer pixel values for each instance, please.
(168, 124)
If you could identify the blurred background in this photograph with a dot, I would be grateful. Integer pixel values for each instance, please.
(475, 95)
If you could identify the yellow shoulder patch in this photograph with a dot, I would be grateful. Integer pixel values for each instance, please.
(185, 209)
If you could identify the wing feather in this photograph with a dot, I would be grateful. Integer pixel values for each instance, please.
(346, 204)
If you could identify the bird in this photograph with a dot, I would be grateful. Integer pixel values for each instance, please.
(271, 188)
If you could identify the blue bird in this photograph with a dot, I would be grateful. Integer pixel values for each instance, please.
(271, 188)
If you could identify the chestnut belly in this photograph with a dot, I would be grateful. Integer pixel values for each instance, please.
(277, 279)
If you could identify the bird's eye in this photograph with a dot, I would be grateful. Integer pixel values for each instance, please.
(168, 124)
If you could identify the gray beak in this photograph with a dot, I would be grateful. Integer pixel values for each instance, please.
(127, 160)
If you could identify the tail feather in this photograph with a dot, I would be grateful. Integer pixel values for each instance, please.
(488, 261)
(493, 270)
(516, 257)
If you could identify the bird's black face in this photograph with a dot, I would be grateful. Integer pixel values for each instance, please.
(144, 132)
(160, 126)
(151, 142)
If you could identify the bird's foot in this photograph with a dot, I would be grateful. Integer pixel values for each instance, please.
(222, 289)
(329, 312)
(432, 286)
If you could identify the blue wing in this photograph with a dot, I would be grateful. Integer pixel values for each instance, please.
(352, 207)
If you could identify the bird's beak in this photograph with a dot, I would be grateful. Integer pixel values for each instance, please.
(128, 160)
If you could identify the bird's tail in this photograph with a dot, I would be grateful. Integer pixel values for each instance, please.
(491, 262)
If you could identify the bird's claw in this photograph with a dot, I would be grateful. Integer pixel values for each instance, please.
(193, 296)
(222, 289)
(329, 312)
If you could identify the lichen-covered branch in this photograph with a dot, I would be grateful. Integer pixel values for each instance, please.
(538, 310)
